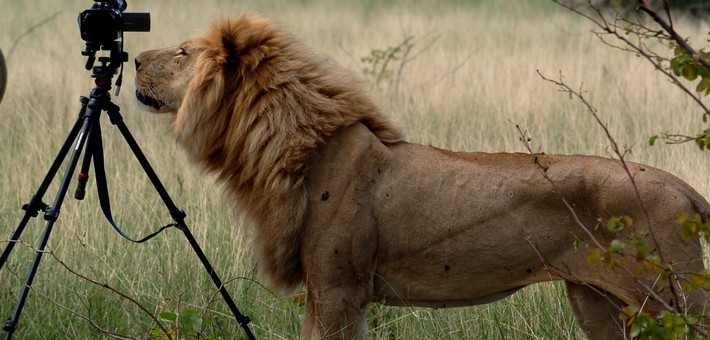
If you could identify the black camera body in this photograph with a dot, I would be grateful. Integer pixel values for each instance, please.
(102, 27)
(106, 20)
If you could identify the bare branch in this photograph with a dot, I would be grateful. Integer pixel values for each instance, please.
(85, 318)
(114, 290)
(524, 137)
(614, 145)
(674, 35)
(28, 31)
(674, 277)
(612, 27)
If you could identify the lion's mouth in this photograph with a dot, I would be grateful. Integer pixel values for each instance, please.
(150, 101)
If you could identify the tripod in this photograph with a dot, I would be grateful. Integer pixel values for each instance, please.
(88, 130)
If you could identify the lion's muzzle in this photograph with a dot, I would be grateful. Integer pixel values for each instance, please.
(149, 101)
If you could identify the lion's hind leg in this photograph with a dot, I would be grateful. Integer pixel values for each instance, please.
(596, 311)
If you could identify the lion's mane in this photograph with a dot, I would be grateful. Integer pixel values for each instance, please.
(258, 106)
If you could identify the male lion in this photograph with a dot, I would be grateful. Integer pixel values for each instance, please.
(344, 206)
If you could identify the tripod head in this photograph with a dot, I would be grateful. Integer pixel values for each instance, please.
(102, 27)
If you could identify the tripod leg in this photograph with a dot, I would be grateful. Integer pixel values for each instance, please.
(51, 215)
(35, 204)
(242, 320)
(178, 215)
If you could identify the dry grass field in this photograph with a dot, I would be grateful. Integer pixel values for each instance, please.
(473, 78)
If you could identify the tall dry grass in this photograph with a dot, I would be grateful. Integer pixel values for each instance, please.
(463, 92)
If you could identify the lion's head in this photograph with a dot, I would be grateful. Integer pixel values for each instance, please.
(252, 103)
(164, 77)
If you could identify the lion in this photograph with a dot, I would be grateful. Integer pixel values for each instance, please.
(346, 208)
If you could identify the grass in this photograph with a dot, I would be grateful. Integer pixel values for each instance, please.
(462, 93)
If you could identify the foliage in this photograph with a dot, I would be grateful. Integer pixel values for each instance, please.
(377, 62)
(632, 251)
(186, 325)
(689, 66)
(686, 64)
(692, 65)
(387, 65)
(636, 254)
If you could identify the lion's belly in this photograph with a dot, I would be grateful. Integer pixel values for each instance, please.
(478, 264)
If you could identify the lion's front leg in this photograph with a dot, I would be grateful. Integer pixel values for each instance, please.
(335, 313)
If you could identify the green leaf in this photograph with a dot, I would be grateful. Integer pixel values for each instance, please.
(703, 71)
(693, 226)
(643, 249)
(703, 86)
(191, 321)
(617, 246)
(675, 66)
(635, 330)
(628, 221)
(615, 224)
(628, 312)
(691, 320)
(168, 316)
(689, 72)
(609, 258)
(594, 255)
(700, 280)
(652, 140)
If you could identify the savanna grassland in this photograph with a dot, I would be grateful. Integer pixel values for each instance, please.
(472, 79)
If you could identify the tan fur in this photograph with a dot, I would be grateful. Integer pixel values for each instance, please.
(343, 205)
(258, 129)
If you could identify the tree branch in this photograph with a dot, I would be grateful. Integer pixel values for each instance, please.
(673, 34)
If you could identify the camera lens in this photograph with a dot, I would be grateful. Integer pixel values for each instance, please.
(136, 21)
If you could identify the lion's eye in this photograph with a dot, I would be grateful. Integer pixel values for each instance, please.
(181, 52)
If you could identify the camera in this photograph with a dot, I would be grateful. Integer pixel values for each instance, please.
(105, 21)
(101, 27)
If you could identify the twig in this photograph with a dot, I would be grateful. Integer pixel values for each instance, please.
(614, 145)
(86, 318)
(673, 277)
(407, 48)
(526, 140)
(108, 287)
(28, 31)
(103, 285)
(406, 43)
(674, 35)
(649, 290)
(612, 28)
(452, 70)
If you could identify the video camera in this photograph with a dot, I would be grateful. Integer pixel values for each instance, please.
(101, 26)
(106, 20)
